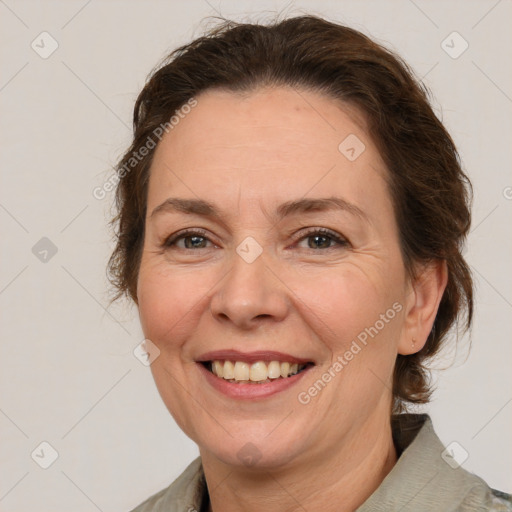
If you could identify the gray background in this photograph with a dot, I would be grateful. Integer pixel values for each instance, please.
(68, 373)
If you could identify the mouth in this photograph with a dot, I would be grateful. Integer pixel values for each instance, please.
(260, 372)
(252, 375)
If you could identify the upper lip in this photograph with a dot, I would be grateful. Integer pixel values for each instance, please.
(250, 357)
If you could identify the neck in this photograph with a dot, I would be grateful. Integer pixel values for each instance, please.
(339, 480)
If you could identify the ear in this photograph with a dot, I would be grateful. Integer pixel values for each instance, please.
(423, 298)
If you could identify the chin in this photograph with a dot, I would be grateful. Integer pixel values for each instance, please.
(254, 452)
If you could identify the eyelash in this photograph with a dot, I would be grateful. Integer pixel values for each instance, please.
(341, 241)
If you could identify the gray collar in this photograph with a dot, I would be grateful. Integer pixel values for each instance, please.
(424, 478)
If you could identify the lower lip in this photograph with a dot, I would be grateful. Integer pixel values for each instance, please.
(251, 391)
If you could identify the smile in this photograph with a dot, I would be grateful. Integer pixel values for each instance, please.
(257, 376)
(252, 375)
(260, 372)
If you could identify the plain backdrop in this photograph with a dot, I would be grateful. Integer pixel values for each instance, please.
(68, 374)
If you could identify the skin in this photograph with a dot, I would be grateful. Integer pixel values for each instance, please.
(247, 154)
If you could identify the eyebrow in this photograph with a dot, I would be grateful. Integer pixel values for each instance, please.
(294, 207)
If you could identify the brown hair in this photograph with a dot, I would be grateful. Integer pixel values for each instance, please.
(430, 192)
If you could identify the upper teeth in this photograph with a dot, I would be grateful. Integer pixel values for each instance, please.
(256, 372)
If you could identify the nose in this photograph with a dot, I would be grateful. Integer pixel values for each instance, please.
(249, 294)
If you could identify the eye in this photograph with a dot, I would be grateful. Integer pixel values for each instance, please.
(321, 238)
(192, 239)
(317, 238)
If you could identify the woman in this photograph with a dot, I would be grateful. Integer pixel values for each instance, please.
(291, 219)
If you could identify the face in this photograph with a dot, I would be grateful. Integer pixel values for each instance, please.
(270, 238)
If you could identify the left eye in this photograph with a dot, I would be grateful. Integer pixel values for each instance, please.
(323, 239)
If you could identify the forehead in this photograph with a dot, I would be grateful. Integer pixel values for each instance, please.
(273, 144)
(270, 122)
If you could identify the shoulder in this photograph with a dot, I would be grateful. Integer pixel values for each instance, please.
(426, 476)
(499, 501)
(184, 494)
(478, 496)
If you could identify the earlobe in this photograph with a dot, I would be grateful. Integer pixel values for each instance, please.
(425, 296)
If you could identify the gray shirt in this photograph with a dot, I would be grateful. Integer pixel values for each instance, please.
(425, 478)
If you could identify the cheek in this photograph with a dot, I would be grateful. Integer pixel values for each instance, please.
(346, 304)
(358, 320)
(168, 301)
